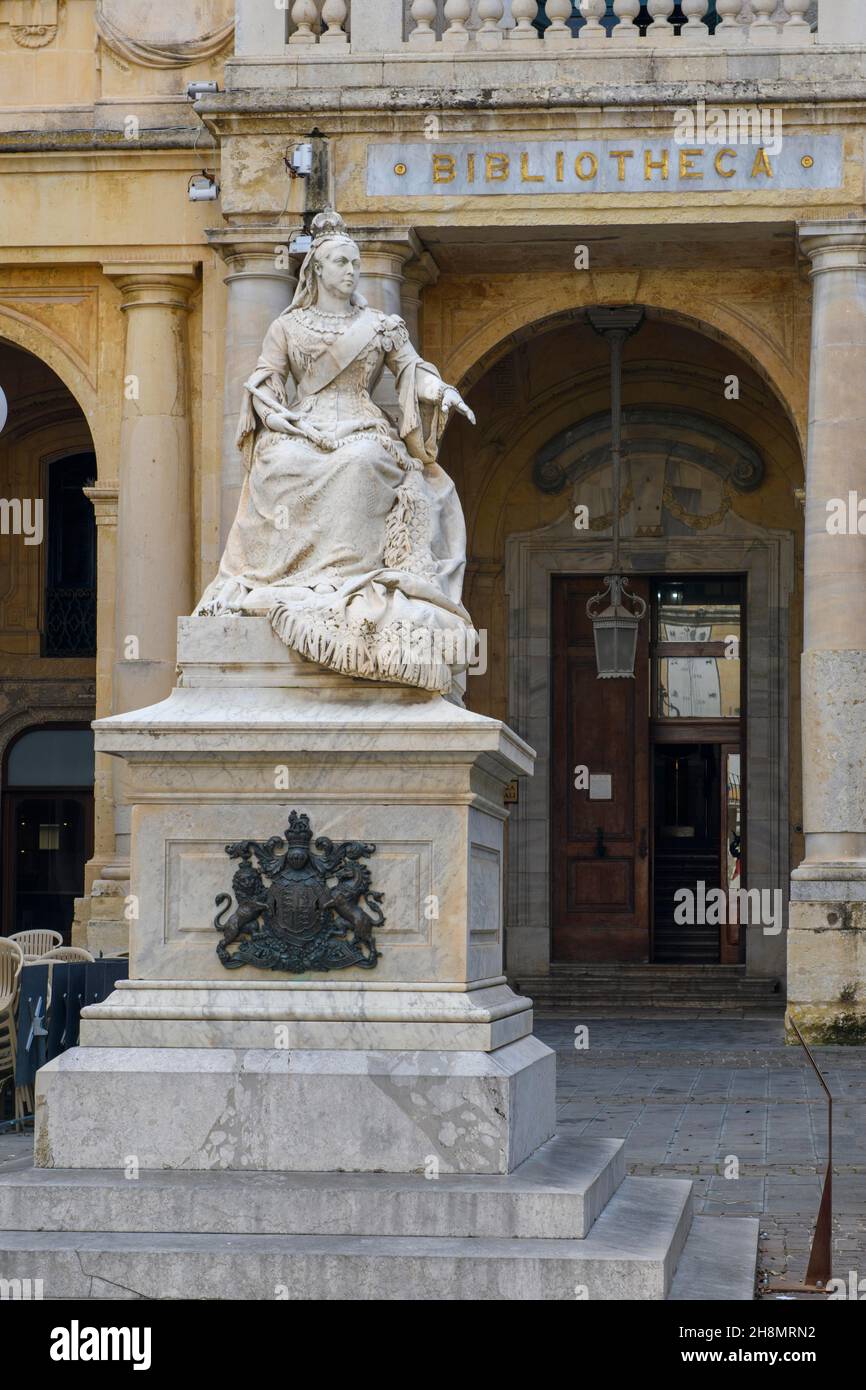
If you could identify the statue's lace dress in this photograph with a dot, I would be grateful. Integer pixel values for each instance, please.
(348, 533)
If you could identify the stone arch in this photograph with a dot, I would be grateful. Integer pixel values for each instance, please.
(17, 331)
(769, 349)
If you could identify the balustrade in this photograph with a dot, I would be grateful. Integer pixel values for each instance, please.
(463, 26)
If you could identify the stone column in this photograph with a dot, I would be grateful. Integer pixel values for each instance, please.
(385, 254)
(418, 274)
(827, 938)
(154, 531)
(103, 497)
(99, 924)
(260, 283)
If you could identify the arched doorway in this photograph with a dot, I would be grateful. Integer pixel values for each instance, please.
(709, 521)
(47, 645)
(47, 826)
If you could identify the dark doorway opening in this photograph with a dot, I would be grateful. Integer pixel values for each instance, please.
(47, 827)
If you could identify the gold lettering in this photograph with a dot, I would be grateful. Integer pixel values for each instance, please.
(621, 156)
(496, 167)
(470, 167)
(593, 165)
(444, 168)
(649, 164)
(525, 176)
(687, 169)
(560, 166)
(762, 164)
(725, 154)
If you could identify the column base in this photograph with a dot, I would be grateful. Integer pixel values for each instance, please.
(827, 954)
(295, 1111)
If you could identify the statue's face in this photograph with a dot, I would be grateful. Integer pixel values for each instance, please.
(337, 268)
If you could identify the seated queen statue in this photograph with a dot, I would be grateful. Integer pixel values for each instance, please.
(348, 534)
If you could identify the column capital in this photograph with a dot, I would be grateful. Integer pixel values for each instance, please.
(834, 245)
(421, 270)
(402, 243)
(255, 251)
(103, 497)
(155, 284)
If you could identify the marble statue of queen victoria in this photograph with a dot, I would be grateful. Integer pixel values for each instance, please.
(348, 534)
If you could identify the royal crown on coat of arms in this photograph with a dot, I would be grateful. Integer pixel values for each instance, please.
(317, 911)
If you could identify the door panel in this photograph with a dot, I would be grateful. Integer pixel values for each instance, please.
(599, 848)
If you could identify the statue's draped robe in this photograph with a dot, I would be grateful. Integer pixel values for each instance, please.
(348, 501)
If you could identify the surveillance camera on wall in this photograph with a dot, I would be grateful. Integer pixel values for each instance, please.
(199, 89)
(203, 188)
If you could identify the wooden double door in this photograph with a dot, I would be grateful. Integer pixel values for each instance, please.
(640, 807)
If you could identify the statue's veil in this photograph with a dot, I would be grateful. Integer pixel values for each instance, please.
(326, 226)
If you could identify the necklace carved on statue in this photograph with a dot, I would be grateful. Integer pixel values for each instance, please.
(329, 319)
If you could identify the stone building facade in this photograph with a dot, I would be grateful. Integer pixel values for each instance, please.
(510, 171)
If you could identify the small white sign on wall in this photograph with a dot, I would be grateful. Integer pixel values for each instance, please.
(600, 786)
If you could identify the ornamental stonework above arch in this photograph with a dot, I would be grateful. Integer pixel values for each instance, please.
(681, 470)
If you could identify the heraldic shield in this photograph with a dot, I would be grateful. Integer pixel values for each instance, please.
(299, 908)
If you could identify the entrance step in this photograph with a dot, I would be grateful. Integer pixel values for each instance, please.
(566, 1225)
(559, 1192)
(671, 987)
(631, 1253)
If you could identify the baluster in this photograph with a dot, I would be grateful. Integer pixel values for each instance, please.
(558, 32)
(335, 13)
(694, 31)
(626, 12)
(660, 31)
(490, 13)
(797, 30)
(593, 29)
(730, 30)
(763, 29)
(424, 14)
(305, 14)
(457, 12)
(524, 11)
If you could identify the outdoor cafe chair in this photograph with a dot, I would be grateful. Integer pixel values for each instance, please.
(36, 942)
(11, 962)
(67, 953)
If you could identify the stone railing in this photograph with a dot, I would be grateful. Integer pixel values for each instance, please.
(512, 26)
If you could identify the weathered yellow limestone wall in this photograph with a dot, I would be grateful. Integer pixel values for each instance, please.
(70, 66)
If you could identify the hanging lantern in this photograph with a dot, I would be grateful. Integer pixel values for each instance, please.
(615, 627)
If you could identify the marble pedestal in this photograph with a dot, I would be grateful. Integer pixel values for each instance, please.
(428, 1057)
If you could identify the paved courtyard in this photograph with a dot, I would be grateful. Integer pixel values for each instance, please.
(697, 1096)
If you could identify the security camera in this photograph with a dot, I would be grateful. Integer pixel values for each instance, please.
(300, 244)
(199, 89)
(203, 188)
(300, 162)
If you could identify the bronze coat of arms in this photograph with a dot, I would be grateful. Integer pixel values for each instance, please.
(299, 908)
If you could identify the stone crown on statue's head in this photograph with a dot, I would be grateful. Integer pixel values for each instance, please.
(298, 832)
(327, 225)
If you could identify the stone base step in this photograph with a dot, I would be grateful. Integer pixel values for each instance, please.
(557, 1193)
(649, 986)
(631, 1253)
(719, 1261)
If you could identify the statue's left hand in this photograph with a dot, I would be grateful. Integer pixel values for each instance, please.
(452, 400)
